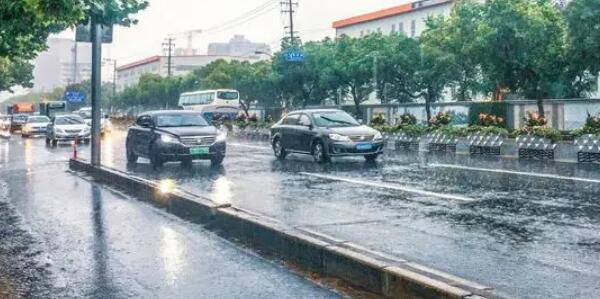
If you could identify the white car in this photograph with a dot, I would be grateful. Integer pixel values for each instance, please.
(105, 123)
(68, 128)
(35, 125)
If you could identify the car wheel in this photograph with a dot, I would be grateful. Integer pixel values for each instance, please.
(47, 140)
(278, 149)
(371, 158)
(131, 156)
(54, 142)
(155, 159)
(319, 154)
(217, 160)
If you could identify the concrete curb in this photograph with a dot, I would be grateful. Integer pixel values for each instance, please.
(375, 272)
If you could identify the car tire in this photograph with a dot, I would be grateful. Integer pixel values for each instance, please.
(279, 150)
(155, 159)
(217, 160)
(54, 142)
(47, 140)
(371, 158)
(319, 153)
(131, 156)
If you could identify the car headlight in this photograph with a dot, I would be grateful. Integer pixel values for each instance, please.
(168, 139)
(86, 130)
(340, 138)
(378, 136)
(221, 137)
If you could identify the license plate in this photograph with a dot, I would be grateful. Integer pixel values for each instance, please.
(198, 150)
(364, 147)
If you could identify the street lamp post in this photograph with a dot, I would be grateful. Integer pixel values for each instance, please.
(96, 37)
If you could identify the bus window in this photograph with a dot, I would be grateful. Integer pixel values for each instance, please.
(228, 95)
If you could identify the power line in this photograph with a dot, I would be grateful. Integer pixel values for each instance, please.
(245, 17)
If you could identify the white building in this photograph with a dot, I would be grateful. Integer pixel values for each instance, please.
(407, 18)
(62, 64)
(129, 74)
(238, 46)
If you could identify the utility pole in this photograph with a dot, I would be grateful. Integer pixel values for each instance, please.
(170, 46)
(288, 7)
(96, 32)
(114, 87)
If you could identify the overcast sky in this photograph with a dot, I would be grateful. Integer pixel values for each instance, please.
(164, 17)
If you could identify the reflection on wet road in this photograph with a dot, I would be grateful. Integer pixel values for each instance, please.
(492, 221)
(97, 243)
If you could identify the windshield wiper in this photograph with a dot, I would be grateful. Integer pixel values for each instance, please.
(336, 120)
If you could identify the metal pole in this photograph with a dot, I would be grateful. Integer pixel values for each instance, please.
(291, 22)
(114, 91)
(96, 33)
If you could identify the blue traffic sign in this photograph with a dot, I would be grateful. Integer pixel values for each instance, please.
(294, 56)
(75, 96)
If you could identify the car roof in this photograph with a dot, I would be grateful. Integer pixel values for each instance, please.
(310, 111)
(163, 112)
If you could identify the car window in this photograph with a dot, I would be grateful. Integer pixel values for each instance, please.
(291, 120)
(69, 120)
(181, 120)
(334, 119)
(304, 120)
(38, 119)
(143, 119)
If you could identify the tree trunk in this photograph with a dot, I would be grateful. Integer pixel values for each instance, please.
(540, 104)
(428, 108)
(356, 102)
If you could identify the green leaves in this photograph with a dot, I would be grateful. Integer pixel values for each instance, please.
(15, 72)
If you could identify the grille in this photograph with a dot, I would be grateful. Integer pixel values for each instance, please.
(72, 131)
(361, 138)
(198, 140)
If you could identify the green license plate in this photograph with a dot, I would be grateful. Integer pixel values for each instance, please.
(199, 150)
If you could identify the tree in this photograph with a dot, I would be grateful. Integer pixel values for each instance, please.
(524, 44)
(15, 72)
(583, 19)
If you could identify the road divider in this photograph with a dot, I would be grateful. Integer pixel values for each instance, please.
(381, 274)
(384, 185)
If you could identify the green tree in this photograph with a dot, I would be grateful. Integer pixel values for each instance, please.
(524, 46)
(583, 19)
(15, 72)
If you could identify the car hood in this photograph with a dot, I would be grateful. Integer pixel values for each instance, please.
(38, 124)
(72, 127)
(189, 131)
(351, 131)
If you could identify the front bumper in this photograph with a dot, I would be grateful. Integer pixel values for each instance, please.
(172, 152)
(71, 137)
(35, 131)
(338, 149)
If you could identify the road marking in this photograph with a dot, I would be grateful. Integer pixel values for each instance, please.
(531, 174)
(390, 186)
(250, 146)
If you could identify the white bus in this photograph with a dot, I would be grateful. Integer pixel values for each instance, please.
(212, 103)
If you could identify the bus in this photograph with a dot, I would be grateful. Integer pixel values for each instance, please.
(52, 108)
(213, 104)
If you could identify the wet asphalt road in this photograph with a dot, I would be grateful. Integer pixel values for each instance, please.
(496, 222)
(81, 240)
(531, 230)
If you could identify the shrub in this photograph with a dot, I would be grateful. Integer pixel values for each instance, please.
(441, 119)
(413, 130)
(535, 120)
(489, 120)
(552, 134)
(488, 130)
(378, 120)
(453, 131)
(407, 119)
(499, 109)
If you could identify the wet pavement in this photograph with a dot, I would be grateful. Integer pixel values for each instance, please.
(529, 229)
(66, 237)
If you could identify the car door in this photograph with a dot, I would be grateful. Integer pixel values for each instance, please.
(304, 133)
(288, 127)
(144, 134)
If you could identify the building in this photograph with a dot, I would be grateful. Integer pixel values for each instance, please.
(238, 46)
(64, 62)
(129, 74)
(407, 18)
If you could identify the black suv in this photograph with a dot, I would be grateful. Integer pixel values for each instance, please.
(324, 134)
(165, 136)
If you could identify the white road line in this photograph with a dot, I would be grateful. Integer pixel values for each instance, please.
(390, 186)
(531, 174)
(250, 146)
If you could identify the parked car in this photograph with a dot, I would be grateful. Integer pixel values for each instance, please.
(67, 128)
(4, 124)
(325, 134)
(169, 136)
(105, 123)
(35, 125)
(17, 122)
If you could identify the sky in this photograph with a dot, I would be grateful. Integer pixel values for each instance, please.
(165, 17)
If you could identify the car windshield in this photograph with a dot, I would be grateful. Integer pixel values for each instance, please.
(180, 120)
(85, 113)
(334, 119)
(69, 120)
(38, 119)
(20, 117)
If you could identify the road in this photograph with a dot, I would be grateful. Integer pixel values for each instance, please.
(62, 236)
(532, 230)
